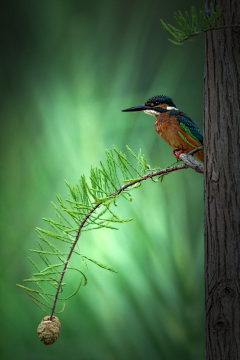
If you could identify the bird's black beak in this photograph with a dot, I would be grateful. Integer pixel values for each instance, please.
(137, 108)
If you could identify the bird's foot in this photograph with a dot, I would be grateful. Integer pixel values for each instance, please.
(179, 152)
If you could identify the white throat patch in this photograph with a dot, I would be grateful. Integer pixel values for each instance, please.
(152, 112)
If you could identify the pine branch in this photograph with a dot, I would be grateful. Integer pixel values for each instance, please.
(80, 212)
(117, 192)
(69, 256)
(189, 29)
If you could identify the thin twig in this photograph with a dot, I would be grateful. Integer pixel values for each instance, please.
(117, 192)
(202, 31)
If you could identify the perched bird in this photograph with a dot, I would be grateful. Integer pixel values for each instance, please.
(175, 127)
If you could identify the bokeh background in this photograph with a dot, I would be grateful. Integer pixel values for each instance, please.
(67, 70)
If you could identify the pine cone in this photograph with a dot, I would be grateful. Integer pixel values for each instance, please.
(48, 331)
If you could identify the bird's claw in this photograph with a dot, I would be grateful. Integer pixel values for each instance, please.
(179, 152)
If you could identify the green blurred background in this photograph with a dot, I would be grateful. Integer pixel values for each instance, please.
(67, 70)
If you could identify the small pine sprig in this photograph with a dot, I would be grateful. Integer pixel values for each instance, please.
(88, 207)
(189, 28)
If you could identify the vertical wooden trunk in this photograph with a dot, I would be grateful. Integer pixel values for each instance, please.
(222, 186)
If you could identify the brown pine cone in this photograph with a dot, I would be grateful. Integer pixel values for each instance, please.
(48, 331)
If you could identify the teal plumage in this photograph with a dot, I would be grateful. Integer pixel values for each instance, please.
(184, 119)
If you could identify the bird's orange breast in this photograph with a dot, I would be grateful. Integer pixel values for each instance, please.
(168, 128)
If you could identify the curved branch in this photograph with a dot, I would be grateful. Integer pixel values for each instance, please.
(117, 192)
(190, 161)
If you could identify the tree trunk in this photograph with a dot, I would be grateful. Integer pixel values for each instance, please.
(222, 186)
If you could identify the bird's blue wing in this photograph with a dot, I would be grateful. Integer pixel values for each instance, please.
(185, 120)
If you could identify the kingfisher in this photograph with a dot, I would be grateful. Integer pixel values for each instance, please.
(174, 126)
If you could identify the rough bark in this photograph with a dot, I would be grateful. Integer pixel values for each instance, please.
(222, 186)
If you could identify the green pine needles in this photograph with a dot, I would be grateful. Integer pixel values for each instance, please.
(189, 28)
(89, 206)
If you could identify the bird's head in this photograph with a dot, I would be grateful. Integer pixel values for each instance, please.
(155, 105)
